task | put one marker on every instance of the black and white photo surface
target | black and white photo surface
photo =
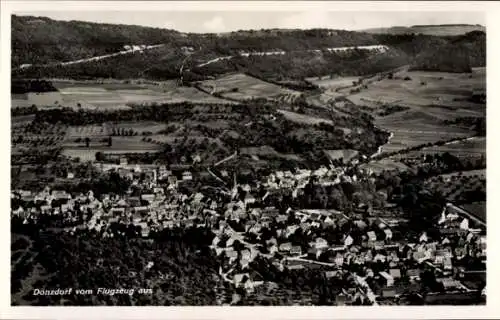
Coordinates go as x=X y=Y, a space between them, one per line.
x=247 y=158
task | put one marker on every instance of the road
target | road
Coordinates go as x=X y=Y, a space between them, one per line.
x=275 y=52
x=467 y=214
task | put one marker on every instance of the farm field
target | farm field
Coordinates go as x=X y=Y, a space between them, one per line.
x=120 y=98
x=112 y=96
x=472 y=147
x=332 y=84
x=303 y=118
x=267 y=151
x=240 y=86
x=415 y=127
x=423 y=89
x=344 y=155
x=40 y=99
x=132 y=144
x=384 y=165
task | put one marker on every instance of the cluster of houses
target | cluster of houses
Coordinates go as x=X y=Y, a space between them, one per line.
x=382 y=260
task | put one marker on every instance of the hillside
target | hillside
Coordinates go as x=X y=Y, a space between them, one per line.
x=274 y=55
x=434 y=30
x=38 y=40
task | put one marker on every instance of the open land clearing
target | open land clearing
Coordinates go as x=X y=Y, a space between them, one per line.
x=239 y=86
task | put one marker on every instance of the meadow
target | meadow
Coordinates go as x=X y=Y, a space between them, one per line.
x=239 y=86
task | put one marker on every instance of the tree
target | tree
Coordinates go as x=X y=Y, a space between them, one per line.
x=99 y=156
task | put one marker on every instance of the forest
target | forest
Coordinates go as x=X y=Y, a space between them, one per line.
x=75 y=40
x=184 y=270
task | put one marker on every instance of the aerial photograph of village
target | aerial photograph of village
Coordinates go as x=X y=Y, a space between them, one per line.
x=246 y=159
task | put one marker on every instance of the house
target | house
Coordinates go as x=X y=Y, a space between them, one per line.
x=242 y=280
x=245 y=254
x=372 y=237
x=285 y=247
x=148 y=197
x=339 y=259
x=281 y=218
x=187 y=175
x=447 y=264
x=348 y=241
x=123 y=161
x=449 y=283
x=320 y=243
x=464 y=225
x=395 y=273
x=389 y=280
x=340 y=300
x=413 y=274
x=117 y=211
x=231 y=254
x=249 y=198
x=145 y=231
x=291 y=230
x=314 y=253
x=388 y=292
x=423 y=237
x=388 y=234
x=296 y=250
x=380 y=257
